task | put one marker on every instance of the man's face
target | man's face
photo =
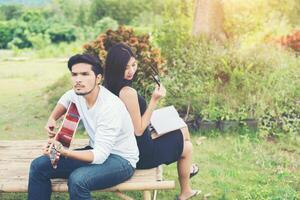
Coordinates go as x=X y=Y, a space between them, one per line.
x=83 y=78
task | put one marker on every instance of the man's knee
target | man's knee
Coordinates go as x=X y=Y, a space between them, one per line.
x=40 y=164
x=76 y=182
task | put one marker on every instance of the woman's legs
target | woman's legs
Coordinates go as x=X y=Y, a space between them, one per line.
x=185 y=133
x=184 y=165
x=186 y=137
x=183 y=168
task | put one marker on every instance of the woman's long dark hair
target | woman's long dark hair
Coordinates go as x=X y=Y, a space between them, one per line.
x=116 y=61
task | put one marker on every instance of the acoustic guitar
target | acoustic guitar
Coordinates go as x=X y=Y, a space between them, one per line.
x=65 y=133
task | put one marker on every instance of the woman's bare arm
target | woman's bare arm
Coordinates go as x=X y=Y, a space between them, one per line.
x=130 y=98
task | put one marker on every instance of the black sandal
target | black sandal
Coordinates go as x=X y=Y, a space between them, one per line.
x=195 y=170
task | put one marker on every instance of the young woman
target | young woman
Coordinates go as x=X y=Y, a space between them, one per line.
x=120 y=67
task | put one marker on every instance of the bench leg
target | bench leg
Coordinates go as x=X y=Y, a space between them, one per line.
x=154 y=195
x=147 y=195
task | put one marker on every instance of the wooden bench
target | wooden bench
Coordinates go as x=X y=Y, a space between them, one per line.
x=16 y=156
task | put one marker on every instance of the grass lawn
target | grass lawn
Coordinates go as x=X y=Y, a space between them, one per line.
x=23 y=103
x=232 y=165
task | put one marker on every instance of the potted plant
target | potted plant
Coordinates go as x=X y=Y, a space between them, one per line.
x=228 y=120
x=208 y=122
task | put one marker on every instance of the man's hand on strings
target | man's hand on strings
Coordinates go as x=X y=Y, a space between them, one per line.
x=46 y=148
x=56 y=144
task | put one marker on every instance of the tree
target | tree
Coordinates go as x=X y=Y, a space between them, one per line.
x=209 y=19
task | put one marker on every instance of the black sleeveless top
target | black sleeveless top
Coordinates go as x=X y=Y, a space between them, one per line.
x=163 y=150
x=144 y=142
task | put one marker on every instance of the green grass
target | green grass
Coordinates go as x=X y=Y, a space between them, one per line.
x=232 y=165
x=23 y=103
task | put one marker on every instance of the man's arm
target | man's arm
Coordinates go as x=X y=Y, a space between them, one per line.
x=108 y=127
x=85 y=156
x=57 y=112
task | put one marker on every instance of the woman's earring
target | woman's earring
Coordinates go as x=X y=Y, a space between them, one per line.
x=99 y=77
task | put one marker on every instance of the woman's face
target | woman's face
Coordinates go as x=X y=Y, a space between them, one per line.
x=130 y=69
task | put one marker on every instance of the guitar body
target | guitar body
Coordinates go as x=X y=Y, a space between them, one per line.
x=66 y=132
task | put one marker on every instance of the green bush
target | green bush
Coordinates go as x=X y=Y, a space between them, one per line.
x=62 y=33
x=259 y=21
x=17 y=33
x=104 y=24
x=8 y=12
x=129 y=11
x=245 y=78
x=35 y=22
x=122 y=11
x=39 y=41
x=33 y=27
x=20 y=35
x=176 y=26
x=6 y=34
x=218 y=82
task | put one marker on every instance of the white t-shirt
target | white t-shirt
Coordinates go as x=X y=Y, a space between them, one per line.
x=108 y=125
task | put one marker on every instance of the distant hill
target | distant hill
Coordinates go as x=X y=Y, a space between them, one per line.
x=25 y=2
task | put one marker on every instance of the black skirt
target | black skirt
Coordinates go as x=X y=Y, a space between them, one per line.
x=165 y=149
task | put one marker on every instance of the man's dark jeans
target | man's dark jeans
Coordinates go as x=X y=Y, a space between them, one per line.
x=82 y=177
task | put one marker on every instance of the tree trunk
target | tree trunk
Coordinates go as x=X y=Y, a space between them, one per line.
x=209 y=19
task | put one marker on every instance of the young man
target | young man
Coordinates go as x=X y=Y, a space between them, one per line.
x=112 y=153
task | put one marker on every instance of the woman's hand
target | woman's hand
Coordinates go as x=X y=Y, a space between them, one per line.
x=159 y=92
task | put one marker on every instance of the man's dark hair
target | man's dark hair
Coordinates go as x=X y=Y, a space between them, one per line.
x=88 y=59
